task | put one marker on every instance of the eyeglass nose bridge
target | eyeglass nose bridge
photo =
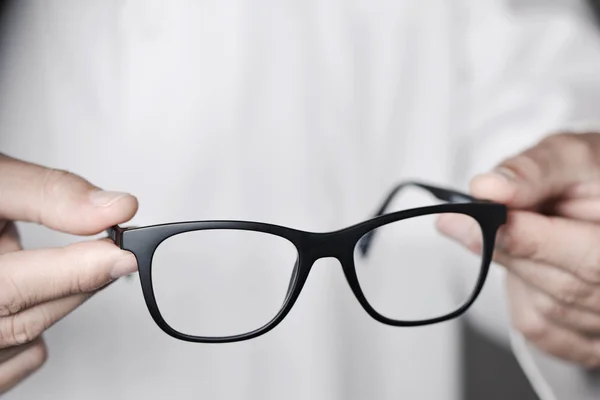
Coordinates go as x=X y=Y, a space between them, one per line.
x=326 y=245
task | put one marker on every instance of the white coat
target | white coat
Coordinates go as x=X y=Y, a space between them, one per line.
x=301 y=113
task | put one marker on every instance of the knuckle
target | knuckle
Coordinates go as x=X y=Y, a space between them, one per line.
x=571 y=291
x=11 y=299
x=53 y=179
x=19 y=329
x=52 y=182
x=533 y=327
x=8 y=305
x=77 y=280
x=551 y=308
x=31 y=329
x=10 y=334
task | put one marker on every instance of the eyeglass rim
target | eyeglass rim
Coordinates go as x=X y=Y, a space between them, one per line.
x=143 y=242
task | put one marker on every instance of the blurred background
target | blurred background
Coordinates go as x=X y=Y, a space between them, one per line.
x=489 y=371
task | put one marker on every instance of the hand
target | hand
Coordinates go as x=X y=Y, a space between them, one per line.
x=550 y=245
x=39 y=287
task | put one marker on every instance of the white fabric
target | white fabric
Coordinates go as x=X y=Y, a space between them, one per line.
x=301 y=113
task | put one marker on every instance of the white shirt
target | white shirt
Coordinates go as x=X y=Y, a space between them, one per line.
x=297 y=113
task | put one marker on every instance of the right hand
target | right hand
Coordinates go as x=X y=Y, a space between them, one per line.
x=39 y=287
x=549 y=245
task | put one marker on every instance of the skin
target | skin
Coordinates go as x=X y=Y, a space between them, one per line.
x=39 y=287
x=550 y=246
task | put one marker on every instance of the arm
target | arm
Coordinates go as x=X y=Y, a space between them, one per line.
x=39 y=287
x=534 y=69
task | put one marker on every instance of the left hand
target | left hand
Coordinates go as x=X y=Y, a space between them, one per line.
x=550 y=245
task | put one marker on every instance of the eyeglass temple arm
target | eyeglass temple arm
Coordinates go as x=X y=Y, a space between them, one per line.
x=443 y=194
x=292 y=280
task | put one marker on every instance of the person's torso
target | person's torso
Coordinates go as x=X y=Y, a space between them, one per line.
x=296 y=113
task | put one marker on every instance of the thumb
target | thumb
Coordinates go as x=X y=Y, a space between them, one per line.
x=58 y=199
x=543 y=172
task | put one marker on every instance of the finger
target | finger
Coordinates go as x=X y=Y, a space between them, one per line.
x=31 y=277
x=10 y=352
x=563 y=287
x=589 y=189
x=571 y=318
x=560 y=242
x=461 y=228
x=580 y=209
x=552 y=338
x=542 y=172
x=22 y=365
x=9 y=238
x=59 y=199
x=29 y=324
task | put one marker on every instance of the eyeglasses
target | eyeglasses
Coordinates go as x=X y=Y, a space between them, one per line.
x=227 y=281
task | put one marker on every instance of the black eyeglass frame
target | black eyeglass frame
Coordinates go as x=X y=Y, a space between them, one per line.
x=312 y=246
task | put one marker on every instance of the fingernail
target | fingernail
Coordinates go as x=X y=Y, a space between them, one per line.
x=505 y=173
x=124 y=266
x=104 y=198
